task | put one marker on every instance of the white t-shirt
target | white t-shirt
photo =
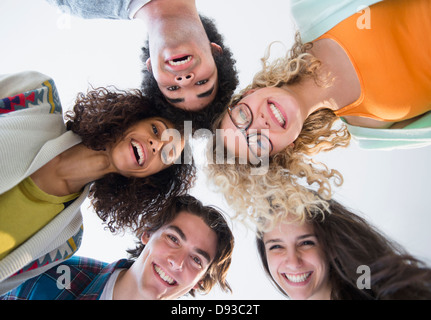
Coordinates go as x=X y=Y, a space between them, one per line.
x=108 y=291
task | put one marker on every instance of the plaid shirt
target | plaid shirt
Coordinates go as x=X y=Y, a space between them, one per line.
x=78 y=278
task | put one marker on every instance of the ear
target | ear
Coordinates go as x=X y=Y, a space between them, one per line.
x=216 y=49
x=145 y=237
x=148 y=64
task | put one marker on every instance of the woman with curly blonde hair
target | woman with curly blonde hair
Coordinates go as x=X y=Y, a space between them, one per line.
x=339 y=67
x=285 y=169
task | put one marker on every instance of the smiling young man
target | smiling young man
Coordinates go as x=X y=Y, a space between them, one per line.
x=174 y=260
x=181 y=55
x=188 y=247
x=187 y=65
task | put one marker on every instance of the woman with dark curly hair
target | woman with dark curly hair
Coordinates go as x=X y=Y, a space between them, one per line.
x=337 y=255
x=113 y=148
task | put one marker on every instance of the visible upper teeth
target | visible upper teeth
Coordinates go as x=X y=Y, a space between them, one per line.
x=297 y=277
x=140 y=152
x=178 y=63
x=278 y=115
x=163 y=275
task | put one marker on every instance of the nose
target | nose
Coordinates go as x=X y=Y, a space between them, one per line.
x=261 y=121
x=184 y=79
x=155 y=145
x=293 y=260
x=176 y=262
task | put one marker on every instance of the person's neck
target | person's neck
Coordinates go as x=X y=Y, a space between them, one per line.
x=156 y=13
x=323 y=294
x=342 y=85
x=312 y=96
x=172 y=19
x=125 y=287
x=70 y=171
x=81 y=165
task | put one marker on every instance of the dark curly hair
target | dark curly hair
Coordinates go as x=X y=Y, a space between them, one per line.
x=100 y=117
x=215 y=220
x=227 y=83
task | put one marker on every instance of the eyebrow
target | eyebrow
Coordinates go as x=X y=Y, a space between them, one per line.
x=184 y=238
x=174 y=101
x=206 y=93
x=201 y=95
x=164 y=123
x=299 y=238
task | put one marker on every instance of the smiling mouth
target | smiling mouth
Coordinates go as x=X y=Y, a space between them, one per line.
x=278 y=115
x=298 y=278
x=139 y=152
x=164 y=276
x=180 y=61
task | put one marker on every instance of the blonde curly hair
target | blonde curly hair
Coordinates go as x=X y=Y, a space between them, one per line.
x=266 y=199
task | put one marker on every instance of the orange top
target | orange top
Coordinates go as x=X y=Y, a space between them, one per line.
x=389 y=45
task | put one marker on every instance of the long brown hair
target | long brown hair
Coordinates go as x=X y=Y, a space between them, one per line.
x=349 y=241
x=100 y=117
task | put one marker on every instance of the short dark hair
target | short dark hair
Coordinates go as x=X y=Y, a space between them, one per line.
x=214 y=219
x=227 y=83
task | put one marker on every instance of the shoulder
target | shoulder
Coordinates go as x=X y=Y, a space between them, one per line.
x=28 y=90
x=313 y=17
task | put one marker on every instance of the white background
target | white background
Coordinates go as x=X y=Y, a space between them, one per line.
x=392 y=189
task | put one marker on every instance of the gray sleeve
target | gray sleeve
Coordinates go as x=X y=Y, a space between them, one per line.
x=94 y=9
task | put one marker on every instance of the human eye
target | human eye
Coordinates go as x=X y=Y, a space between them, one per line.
x=307 y=243
x=173 y=88
x=197 y=261
x=173 y=238
x=201 y=82
x=242 y=115
x=155 y=129
x=274 y=247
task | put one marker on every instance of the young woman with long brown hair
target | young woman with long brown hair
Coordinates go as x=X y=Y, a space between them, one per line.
x=335 y=254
